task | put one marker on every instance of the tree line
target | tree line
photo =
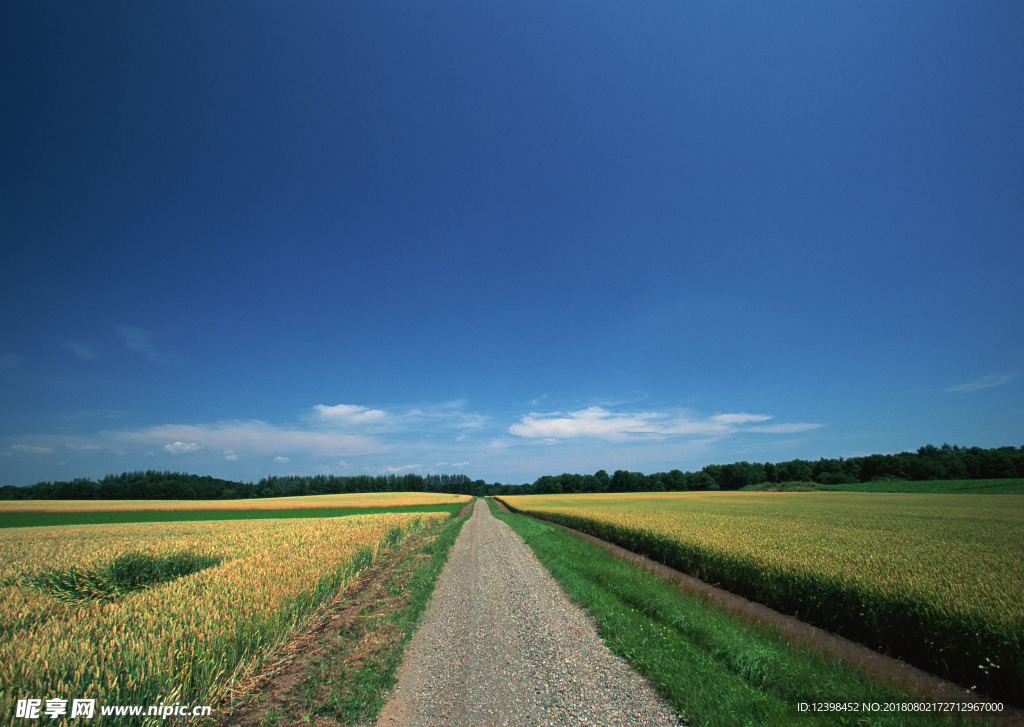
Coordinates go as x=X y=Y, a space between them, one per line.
x=153 y=485
x=949 y=462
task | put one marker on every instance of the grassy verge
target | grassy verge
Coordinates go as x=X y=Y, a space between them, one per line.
x=359 y=691
x=345 y=678
x=712 y=666
x=36 y=519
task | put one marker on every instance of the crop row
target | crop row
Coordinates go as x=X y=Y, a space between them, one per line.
x=179 y=640
x=933 y=579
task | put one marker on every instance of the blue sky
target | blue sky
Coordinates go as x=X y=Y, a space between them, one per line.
x=506 y=239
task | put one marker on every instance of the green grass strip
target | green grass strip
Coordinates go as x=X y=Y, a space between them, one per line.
x=103 y=517
x=358 y=697
x=715 y=668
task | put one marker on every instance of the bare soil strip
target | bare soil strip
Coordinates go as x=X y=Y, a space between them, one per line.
x=928 y=686
x=337 y=642
x=501 y=644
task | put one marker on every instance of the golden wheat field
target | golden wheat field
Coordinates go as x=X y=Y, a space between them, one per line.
x=964 y=553
x=357 y=499
x=184 y=640
x=935 y=578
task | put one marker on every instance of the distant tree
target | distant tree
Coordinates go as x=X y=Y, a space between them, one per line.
x=928 y=462
x=831 y=472
x=851 y=468
x=623 y=481
x=547 y=485
x=740 y=474
x=926 y=468
x=701 y=481
x=796 y=470
x=676 y=480
x=716 y=473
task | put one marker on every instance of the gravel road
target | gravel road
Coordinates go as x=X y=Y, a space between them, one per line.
x=501 y=644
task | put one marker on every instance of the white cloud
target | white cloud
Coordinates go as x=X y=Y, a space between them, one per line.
x=593 y=421
x=364 y=438
x=449 y=415
x=182 y=447
x=697 y=427
x=600 y=423
x=81 y=350
x=792 y=428
x=350 y=414
x=739 y=418
x=143 y=343
x=338 y=432
x=29 y=449
x=136 y=339
x=253 y=438
x=985 y=382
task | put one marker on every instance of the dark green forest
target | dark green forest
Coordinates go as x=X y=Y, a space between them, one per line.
x=948 y=462
x=153 y=485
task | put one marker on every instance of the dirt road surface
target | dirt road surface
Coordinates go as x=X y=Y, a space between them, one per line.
x=501 y=644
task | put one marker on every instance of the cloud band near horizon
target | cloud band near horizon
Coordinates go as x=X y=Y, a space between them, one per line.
x=426 y=433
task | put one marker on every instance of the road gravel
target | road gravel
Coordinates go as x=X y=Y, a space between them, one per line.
x=501 y=644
